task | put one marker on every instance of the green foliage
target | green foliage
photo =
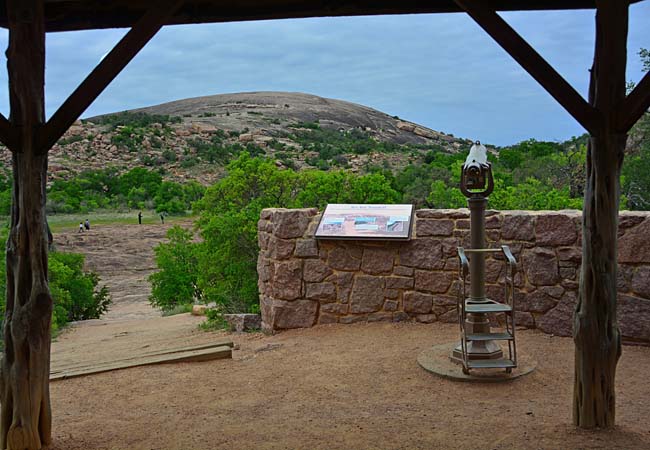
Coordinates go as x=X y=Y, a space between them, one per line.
x=183 y=308
x=214 y=321
x=644 y=54
x=6 y=184
x=307 y=125
x=170 y=198
x=175 y=283
x=138 y=188
x=75 y=293
x=330 y=143
x=635 y=176
x=135 y=120
x=70 y=140
x=227 y=256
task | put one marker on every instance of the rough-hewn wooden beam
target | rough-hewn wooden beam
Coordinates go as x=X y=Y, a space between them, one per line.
x=106 y=71
x=25 y=414
x=68 y=15
x=595 y=330
x=533 y=63
x=8 y=134
x=635 y=105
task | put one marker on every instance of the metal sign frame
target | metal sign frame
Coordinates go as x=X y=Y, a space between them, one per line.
x=366 y=222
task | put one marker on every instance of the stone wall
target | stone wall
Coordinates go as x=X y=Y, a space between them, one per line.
x=304 y=282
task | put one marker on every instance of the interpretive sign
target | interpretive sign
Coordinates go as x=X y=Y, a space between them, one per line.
x=341 y=221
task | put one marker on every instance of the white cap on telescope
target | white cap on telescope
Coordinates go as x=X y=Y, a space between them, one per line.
x=477 y=156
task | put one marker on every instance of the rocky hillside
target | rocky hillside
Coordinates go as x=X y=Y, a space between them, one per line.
x=194 y=138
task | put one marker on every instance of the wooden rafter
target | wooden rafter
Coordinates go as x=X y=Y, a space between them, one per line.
x=533 y=63
x=69 y=15
x=106 y=71
x=9 y=136
x=635 y=105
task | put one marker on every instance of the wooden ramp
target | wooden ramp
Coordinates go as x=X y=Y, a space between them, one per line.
x=204 y=352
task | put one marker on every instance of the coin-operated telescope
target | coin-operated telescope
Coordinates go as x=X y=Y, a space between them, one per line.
x=476 y=183
x=476 y=177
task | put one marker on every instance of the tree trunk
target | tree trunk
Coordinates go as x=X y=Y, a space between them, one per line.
x=596 y=334
x=25 y=416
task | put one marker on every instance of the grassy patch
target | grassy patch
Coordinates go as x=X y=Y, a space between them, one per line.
x=62 y=222
x=178 y=309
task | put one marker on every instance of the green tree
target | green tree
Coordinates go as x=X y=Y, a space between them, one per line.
x=175 y=283
x=227 y=256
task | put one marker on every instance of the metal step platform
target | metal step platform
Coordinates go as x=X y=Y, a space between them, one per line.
x=505 y=309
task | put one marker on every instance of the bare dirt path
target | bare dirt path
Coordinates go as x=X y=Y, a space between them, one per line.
x=123 y=257
x=343 y=387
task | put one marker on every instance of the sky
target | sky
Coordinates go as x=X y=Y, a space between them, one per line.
x=441 y=71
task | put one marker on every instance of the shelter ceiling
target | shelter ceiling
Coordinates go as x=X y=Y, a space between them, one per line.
x=68 y=15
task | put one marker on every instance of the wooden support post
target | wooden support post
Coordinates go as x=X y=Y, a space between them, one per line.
x=533 y=63
x=25 y=416
x=107 y=70
x=25 y=413
x=595 y=331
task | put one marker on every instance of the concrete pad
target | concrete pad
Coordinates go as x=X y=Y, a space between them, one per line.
x=437 y=361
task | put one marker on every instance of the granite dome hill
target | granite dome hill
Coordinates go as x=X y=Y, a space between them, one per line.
x=195 y=138
x=269 y=112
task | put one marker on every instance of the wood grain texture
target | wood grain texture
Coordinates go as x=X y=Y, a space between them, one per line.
x=188 y=355
x=596 y=333
x=25 y=416
x=65 y=15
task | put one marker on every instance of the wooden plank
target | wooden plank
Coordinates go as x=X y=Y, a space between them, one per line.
x=63 y=368
x=9 y=136
x=207 y=354
x=106 y=71
x=533 y=63
x=635 y=105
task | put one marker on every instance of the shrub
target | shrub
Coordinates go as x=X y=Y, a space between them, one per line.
x=75 y=293
x=175 y=282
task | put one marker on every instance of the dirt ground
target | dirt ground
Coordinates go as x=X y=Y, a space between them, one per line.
x=329 y=387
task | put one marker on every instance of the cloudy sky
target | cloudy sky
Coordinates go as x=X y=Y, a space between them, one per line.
x=441 y=71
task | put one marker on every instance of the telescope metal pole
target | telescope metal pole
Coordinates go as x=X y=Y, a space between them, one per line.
x=477 y=207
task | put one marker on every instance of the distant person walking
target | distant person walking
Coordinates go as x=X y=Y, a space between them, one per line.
x=81 y=227
x=140 y=218
x=162 y=218
x=87 y=224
